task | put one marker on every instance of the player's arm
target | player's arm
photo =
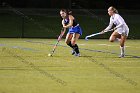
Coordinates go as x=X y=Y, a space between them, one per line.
x=63 y=24
x=70 y=22
x=63 y=30
x=120 y=21
x=109 y=26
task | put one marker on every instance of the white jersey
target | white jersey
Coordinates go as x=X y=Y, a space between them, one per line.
x=121 y=26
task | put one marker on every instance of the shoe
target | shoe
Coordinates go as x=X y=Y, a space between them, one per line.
x=73 y=52
x=121 y=56
x=77 y=54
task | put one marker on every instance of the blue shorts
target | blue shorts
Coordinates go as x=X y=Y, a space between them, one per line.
x=76 y=29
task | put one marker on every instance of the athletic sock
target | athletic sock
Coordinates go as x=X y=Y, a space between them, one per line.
x=122 y=50
x=117 y=39
x=69 y=44
x=76 y=48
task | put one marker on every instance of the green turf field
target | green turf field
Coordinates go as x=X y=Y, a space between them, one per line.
x=26 y=68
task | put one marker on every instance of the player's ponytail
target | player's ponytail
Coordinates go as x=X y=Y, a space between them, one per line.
x=68 y=12
x=114 y=10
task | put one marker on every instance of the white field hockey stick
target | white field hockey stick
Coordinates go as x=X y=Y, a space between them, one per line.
x=58 y=40
x=99 y=33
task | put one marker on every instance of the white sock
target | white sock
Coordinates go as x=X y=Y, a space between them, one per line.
x=117 y=39
x=122 y=50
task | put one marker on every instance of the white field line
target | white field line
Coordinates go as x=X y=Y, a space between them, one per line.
x=110 y=45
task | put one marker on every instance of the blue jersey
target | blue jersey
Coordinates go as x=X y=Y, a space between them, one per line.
x=66 y=22
x=75 y=27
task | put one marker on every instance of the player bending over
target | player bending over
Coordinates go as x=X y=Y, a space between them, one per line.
x=74 y=30
x=121 y=29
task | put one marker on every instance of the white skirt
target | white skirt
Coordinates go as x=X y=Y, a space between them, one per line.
x=123 y=30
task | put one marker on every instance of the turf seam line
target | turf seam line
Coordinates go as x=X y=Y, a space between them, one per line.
x=113 y=72
x=45 y=73
x=91 y=50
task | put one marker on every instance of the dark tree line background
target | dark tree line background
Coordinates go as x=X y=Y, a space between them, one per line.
x=96 y=4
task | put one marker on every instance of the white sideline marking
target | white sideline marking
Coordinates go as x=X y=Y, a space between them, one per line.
x=110 y=45
x=82 y=44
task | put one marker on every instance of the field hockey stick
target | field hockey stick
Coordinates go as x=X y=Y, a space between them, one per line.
x=58 y=40
x=99 y=33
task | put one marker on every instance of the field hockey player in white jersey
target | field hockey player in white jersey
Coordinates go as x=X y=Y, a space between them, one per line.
x=121 y=29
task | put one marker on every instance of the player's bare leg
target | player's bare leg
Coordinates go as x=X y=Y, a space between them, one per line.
x=114 y=36
x=122 y=47
x=69 y=43
x=73 y=41
x=68 y=39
